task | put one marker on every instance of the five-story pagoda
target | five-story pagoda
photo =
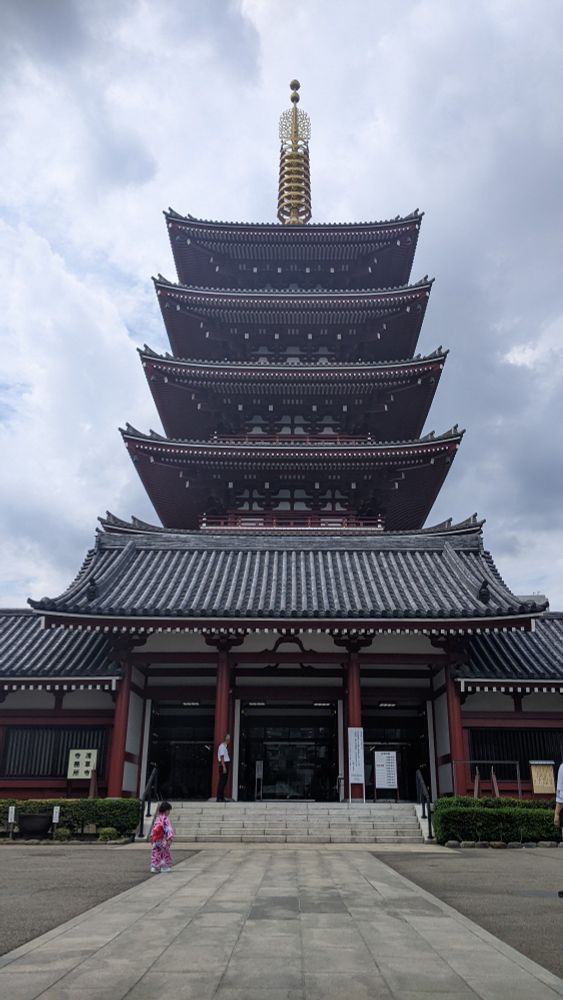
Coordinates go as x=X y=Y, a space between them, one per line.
x=292 y=397
x=292 y=591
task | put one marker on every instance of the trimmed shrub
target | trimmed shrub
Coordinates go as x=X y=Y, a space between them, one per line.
x=123 y=814
x=503 y=823
x=62 y=833
x=468 y=802
x=107 y=833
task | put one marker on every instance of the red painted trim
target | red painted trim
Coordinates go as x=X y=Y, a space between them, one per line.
x=117 y=757
x=457 y=750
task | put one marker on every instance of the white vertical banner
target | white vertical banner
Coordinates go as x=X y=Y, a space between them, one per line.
x=356 y=775
x=386 y=769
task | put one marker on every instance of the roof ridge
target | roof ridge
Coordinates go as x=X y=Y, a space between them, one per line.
x=279 y=227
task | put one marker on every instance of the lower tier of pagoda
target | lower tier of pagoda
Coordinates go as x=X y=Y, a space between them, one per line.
x=394 y=485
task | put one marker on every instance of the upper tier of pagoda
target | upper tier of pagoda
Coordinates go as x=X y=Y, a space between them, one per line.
x=202 y=399
x=339 y=256
x=213 y=325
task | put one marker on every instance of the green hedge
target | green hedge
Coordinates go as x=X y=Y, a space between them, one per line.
x=468 y=802
x=123 y=814
x=504 y=823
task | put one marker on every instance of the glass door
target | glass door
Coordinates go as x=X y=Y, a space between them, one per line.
x=295 y=747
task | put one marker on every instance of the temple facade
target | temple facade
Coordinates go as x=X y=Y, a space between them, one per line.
x=292 y=590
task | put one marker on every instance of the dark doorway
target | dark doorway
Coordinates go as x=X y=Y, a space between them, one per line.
x=181 y=746
x=406 y=735
x=297 y=747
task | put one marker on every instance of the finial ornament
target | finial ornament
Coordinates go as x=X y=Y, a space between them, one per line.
x=294 y=195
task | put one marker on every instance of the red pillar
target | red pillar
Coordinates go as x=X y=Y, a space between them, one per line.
x=222 y=715
x=119 y=735
x=354 y=703
x=457 y=749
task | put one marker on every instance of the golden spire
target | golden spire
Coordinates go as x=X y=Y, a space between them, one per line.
x=294 y=196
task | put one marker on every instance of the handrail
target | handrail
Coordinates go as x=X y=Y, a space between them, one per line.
x=147 y=797
x=423 y=796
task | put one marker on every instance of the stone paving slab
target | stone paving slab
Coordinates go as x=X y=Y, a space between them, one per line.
x=278 y=924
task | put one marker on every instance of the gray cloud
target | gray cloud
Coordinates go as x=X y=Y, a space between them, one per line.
x=112 y=114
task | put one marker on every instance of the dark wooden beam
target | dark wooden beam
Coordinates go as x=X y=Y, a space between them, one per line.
x=240 y=658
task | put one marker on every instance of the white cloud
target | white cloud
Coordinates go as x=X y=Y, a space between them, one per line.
x=110 y=114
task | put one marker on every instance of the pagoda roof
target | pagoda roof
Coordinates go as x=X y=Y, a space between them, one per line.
x=204 y=322
x=221 y=301
x=197 y=397
x=186 y=479
x=416 y=581
x=294 y=233
x=200 y=246
x=29 y=651
x=247 y=451
x=312 y=375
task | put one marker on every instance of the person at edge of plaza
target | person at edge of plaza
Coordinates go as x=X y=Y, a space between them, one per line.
x=559 y=797
x=223 y=761
x=162 y=835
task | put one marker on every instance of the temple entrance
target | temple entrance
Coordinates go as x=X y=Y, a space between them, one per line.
x=292 y=749
x=406 y=735
x=181 y=746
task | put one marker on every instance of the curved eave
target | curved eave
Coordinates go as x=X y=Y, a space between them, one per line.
x=389 y=372
x=289 y=233
x=287 y=300
x=147 y=624
x=387 y=452
x=471 y=527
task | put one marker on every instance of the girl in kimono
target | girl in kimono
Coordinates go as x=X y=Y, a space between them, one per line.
x=161 y=837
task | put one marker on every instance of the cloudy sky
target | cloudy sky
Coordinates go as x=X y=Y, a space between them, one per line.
x=111 y=111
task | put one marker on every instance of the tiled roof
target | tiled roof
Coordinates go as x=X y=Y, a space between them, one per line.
x=28 y=650
x=529 y=656
x=376 y=577
x=310 y=231
x=215 y=373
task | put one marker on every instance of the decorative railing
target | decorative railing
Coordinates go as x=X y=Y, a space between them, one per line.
x=289 y=519
x=293 y=439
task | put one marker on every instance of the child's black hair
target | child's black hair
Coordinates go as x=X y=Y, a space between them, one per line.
x=164 y=807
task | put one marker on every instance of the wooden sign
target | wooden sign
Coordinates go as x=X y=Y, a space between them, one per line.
x=543 y=779
x=81 y=763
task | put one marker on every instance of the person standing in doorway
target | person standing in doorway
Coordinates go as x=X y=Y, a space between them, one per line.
x=223 y=760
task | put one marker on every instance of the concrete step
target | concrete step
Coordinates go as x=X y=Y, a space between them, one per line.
x=280 y=822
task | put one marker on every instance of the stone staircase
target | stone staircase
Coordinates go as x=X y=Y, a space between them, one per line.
x=296 y=822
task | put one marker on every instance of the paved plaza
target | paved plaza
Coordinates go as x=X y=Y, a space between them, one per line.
x=250 y=923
